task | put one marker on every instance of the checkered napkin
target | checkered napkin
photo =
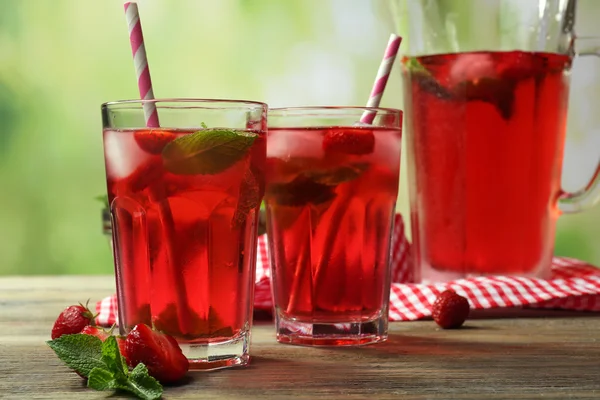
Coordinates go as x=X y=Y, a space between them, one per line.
x=574 y=285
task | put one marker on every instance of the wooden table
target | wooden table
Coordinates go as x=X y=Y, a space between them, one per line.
x=556 y=356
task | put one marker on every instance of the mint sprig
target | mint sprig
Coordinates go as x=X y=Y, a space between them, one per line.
x=104 y=366
x=208 y=151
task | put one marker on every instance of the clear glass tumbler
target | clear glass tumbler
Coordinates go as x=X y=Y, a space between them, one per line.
x=184 y=201
x=331 y=191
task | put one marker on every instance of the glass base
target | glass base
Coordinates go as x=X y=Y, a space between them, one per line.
x=217 y=355
x=302 y=333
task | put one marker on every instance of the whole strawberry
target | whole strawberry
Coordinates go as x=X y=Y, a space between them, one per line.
x=450 y=310
x=158 y=351
x=72 y=320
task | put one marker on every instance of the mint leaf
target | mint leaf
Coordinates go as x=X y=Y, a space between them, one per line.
x=80 y=352
x=104 y=366
x=413 y=65
x=113 y=359
x=101 y=379
x=139 y=383
x=299 y=192
x=208 y=151
x=143 y=385
x=336 y=175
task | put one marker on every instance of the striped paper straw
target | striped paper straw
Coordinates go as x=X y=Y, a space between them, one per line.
x=382 y=77
x=140 y=61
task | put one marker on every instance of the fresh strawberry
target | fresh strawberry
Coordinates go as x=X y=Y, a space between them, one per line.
x=355 y=141
x=72 y=320
x=450 y=310
x=153 y=141
x=95 y=331
x=158 y=351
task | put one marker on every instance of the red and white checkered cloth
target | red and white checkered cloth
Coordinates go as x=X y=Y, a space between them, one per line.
x=574 y=285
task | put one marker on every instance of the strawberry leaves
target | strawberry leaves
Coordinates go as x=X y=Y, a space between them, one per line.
x=104 y=366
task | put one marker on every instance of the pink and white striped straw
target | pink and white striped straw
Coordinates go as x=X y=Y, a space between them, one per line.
x=140 y=61
x=382 y=77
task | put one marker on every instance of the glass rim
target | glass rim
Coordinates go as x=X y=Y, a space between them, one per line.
x=195 y=103
x=304 y=110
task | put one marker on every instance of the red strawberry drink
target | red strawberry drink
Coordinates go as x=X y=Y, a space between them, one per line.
x=184 y=203
x=331 y=192
x=486 y=137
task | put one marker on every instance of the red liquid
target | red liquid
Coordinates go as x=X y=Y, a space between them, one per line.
x=329 y=221
x=184 y=243
x=486 y=136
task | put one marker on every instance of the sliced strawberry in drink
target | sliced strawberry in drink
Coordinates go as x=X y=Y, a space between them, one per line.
x=354 y=141
x=153 y=141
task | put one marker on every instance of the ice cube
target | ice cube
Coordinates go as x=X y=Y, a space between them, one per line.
x=472 y=67
x=286 y=144
x=123 y=155
x=387 y=148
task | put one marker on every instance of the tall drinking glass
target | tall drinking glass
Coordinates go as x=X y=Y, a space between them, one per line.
x=331 y=193
x=184 y=201
x=486 y=87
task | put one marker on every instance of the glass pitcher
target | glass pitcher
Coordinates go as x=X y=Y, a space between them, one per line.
x=486 y=88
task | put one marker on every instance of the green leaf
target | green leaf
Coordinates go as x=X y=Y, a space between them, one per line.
x=143 y=385
x=80 y=352
x=208 y=151
x=300 y=192
x=139 y=382
x=104 y=366
x=103 y=198
x=113 y=359
x=101 y=379
x=340 y=174
x=413 y=65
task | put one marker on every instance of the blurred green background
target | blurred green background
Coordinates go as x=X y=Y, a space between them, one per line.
x=60 y=59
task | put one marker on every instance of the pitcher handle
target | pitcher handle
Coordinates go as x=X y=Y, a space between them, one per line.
x=590 y=194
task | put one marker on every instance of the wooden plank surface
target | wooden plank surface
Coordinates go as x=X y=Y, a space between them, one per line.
x=556 y=356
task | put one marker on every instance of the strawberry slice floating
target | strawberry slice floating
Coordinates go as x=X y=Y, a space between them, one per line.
x=158 y=351
x=354 y=141
x=153 y=141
